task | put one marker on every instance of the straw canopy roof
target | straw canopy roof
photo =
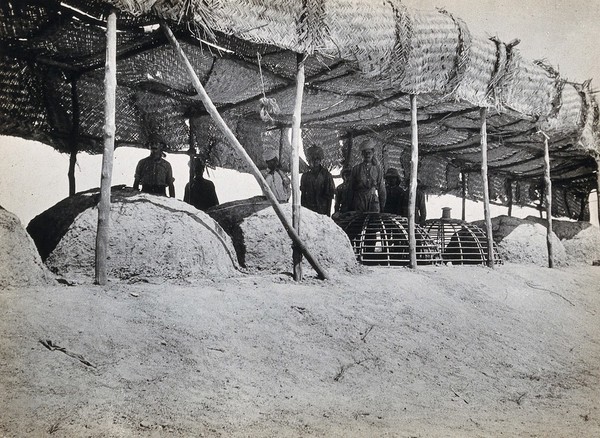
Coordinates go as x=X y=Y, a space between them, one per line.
x=364 y=60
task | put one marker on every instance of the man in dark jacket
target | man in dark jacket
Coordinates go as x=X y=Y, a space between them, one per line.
x=396 y=201
x=316 y=185
x=342 y=197
x=201 y=192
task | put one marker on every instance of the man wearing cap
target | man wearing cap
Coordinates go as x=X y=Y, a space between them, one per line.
x=395 y=194
x=367 y=187
x=201 y=192
x=277 y=180
x=316 y=185
x=154 y=173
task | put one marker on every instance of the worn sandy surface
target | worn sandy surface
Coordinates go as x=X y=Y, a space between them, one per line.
x=436 y=352
x=20 y=263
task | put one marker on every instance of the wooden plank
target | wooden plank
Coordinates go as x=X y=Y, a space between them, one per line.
x=486 y=189
x=110 y=87
x=214 y=113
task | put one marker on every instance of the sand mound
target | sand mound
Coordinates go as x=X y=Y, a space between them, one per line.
x=524 y=241
x=581 y=240
x=20 y=263
x=262 y=244
x=150 y=237
x=584 y=247
x=562 y=229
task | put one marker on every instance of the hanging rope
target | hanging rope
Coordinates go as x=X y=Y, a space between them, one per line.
x=268 y=106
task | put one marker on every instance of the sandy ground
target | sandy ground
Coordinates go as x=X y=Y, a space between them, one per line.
x=435 y=352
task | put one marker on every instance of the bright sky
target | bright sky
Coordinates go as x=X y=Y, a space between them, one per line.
x=33 y=177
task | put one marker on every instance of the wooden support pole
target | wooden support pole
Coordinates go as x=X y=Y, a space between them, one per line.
x=71 y=173
x=110 y=87
x=509 y=195
x=74 y=135
x=214 y=113
x=296 y=140
x=548 y=193
x=412 y=197
x=192 y=155
x=582 y=204
x=486 y=190
x=463 y=182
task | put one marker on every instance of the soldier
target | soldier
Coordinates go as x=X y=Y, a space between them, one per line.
x=342 y=198
x=154 y=173
x=316 y=185
x=367 y=187
x=396 y=196
x=201 y=192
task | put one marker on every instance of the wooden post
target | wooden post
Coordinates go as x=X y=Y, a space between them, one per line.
x=412 y=197
x=463 y=179
x=71 y=173
x=509 y=195
x=583 y=201
x=192 y=155
x=110 y=87
x=486 y=190
x=74 y=135
x=212 y=110
x=295 y=164
x=548 y=193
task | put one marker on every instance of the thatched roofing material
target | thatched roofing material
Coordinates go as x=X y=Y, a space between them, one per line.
x=366 y=57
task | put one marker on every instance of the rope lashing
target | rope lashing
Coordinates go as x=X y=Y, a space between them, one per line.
x=268 y=105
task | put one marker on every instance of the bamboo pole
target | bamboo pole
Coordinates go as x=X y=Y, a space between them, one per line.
x=214 y=113
x=486 y=190
x=412 y=197
x=110 y=86
x=296 y=140
x=74 y=136
x=548 y=193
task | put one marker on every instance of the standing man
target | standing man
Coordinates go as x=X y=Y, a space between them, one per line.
x=154 y=173
x=367 y=188
x=277 y=180
x=201 y=192
x=316 y=185
x=395 y=201
x=342 y=198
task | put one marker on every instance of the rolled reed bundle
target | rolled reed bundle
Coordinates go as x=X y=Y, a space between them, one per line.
x=527 y=87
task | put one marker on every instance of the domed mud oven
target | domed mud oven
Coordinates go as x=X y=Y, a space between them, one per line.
x=460 y=242
x=382 y=239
